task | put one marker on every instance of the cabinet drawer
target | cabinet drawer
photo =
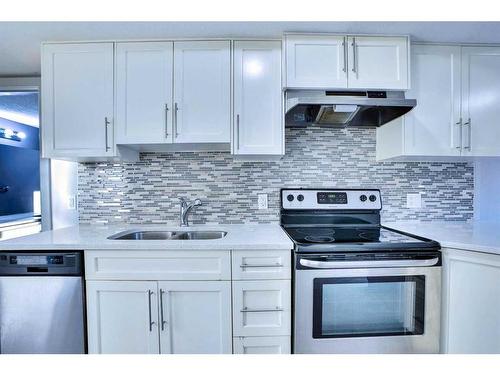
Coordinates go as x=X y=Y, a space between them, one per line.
x=262 y=345
x=261 y=308
x=257 y=264
x=157 y=265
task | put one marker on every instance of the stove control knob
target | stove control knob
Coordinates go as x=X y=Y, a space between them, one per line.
x=300 y=197
x=289 y=197
x=363 y=198
x=373 y=198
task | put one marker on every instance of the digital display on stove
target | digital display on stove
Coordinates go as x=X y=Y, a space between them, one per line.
x=331 y=197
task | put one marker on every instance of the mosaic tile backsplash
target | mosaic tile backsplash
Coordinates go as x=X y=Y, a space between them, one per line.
x=147 y=191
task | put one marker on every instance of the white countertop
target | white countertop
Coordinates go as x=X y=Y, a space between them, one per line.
x=94 y=237
x=471 y=235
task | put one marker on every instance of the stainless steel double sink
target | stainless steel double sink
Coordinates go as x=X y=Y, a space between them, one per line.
x=167 y=235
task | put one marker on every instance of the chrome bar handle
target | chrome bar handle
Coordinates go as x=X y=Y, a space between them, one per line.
x=166 y=120
x=247 y=310
x=469 y=140
x=459 y=123
x=261 y=265
x=344 y=46
x=369 y=264
x=162 y=319
x=237 y=132
x=354 y=57
x=151 y=322
x=106 y=124
x=176 y=109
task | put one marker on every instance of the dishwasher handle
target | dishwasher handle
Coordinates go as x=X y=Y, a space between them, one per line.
x=317 y=264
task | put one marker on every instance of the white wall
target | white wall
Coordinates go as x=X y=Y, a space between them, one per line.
x=487 y=189
x=64 y=184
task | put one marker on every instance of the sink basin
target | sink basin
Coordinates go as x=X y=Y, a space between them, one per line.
x=167 y=235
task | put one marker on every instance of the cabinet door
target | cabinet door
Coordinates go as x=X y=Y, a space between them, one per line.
x=259 y=128
x=202 y=92
x=195 y=317
x=316 y=61
x=378 y=62
x=433 y=127
x=481 y=100
x=122 y=317
x=261 y=308
x=144 y=74
x=262 y=345
x=471 y=295
x=77 y=100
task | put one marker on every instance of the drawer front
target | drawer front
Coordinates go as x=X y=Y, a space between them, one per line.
x=261 y=308
x=262 y=345
x=259 y=264
x=157 y=265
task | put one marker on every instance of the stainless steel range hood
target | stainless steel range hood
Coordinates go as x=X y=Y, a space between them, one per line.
x=344 y=108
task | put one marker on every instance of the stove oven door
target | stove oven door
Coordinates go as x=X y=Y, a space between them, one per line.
x=383 y=307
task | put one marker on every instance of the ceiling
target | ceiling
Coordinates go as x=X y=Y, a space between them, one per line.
x=20 y=41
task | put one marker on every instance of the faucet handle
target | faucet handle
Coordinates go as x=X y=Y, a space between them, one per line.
x=197 y=202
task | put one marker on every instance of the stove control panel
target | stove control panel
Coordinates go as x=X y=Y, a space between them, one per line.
x=328 y=199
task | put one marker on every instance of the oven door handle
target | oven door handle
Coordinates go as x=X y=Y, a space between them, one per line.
x=370 y=264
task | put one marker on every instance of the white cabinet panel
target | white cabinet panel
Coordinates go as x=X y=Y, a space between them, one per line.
x=259 y=129
x=144 y=92
x=262 y=345
x=471 y=294
x=261 y=308
x=433 y=127
x=157 y=265
x=259 y=264
x=195 y=317
x=316 y=61
x=202 y=92
x=481 y=100
x=378 y=62
x=77 y=100
x=122 y=317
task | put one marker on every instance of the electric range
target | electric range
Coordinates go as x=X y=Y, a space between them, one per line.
x=359 y=287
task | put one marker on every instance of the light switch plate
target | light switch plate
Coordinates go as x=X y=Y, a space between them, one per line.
x=413 y=200
x=71 y=202
x=262 y=201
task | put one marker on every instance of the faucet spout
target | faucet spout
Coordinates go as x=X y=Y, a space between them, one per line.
x=186 y=207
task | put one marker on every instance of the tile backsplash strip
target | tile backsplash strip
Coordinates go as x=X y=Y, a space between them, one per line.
x=147 y=191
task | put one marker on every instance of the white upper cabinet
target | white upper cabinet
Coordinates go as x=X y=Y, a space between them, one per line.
x=144 y=92
x=378 y=62
x=433 y=127
x=202 y=92
x=258 y=124
x=77 y=100
x=316 y=61
x=352 y=62
x=481 y=101
x=458 y=106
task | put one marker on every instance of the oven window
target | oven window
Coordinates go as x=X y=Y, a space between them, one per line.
x=368 y=306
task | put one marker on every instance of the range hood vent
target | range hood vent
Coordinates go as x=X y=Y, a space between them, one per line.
x=345 y=108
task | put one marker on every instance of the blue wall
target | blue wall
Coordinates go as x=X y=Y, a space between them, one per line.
x=19 y=169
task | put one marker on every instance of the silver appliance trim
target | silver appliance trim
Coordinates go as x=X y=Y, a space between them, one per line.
x=316 y=264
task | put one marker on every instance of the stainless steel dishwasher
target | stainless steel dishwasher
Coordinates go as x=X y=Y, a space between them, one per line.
x=41 y=303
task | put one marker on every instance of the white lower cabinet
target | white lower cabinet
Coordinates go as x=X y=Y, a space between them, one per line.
x=262 y=345
x=122 y=317
x=261 y=308
x=471 y=302
x=195 y=317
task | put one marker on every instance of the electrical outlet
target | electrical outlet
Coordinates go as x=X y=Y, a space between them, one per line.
x=71 y=202
x=262 y=201
x=414 y=200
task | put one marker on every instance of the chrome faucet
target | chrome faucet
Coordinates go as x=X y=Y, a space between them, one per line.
x=186 y=208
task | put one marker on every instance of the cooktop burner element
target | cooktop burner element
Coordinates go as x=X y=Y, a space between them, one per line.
x=331 y=220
